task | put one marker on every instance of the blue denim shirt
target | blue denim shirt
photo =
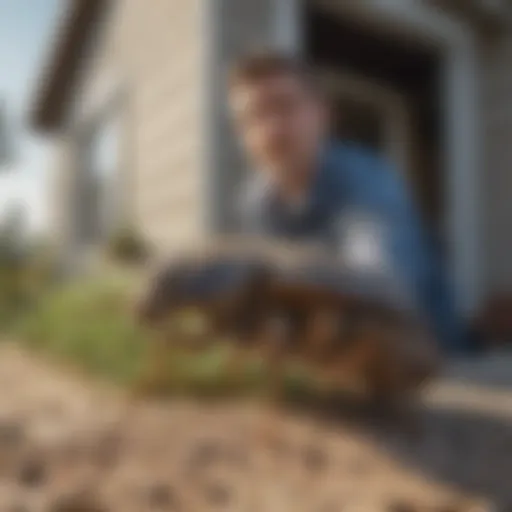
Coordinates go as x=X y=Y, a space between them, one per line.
x=352 y=179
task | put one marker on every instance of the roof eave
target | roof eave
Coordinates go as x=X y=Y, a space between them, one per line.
x=59 y=75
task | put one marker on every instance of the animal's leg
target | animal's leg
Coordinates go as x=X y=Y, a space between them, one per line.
x=155 y=372
x=196 y=329
x=406 y=361
x=321 y=332
x=275 y=344
x=359 y=349
x=276 y=336
x=234 y=366
x=243 y=325
x=390 y=397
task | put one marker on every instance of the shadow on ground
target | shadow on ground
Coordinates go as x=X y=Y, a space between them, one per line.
x=463 y=447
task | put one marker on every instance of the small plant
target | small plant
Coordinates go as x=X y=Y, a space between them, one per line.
x=26 y=270
x=88 y=323
x=126 y=246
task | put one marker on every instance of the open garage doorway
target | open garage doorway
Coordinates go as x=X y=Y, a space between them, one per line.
x=385 y=92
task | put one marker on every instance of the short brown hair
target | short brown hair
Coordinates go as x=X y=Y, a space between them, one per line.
x=258 y=65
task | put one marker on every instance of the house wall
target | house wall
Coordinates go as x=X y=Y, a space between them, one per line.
x=149 y=61
x=166 y=66
x=62 y=194
x=497 y=162
x=169 y=64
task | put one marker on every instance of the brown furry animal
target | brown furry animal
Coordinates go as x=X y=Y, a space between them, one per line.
x=291 y=303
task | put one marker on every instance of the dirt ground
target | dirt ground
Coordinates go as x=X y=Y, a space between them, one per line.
x=67 y=445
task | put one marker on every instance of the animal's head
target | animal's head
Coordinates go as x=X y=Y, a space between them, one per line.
x=202 y=283
x=160 y=296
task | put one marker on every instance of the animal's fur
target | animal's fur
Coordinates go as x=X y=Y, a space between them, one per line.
x=300 y=304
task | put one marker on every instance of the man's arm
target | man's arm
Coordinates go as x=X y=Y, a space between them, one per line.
x=418 y=259
x=404 y=245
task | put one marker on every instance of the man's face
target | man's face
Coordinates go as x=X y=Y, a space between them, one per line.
x=280 y=121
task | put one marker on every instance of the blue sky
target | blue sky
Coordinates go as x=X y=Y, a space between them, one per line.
x=26 y=31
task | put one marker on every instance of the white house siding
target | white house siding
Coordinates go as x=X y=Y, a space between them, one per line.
x=149 y=59
x=162 y=53
x=62 y=215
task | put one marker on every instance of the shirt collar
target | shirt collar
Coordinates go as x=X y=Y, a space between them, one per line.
x=315 y=192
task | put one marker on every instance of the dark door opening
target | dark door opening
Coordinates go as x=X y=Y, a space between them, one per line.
x=359 y=121
x=390 y=61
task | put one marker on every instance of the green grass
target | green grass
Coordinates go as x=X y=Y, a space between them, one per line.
x=89 y=324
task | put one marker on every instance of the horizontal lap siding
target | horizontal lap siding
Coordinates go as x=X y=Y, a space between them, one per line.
x=162 y=55
x=151 y=50
x=155 y=49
